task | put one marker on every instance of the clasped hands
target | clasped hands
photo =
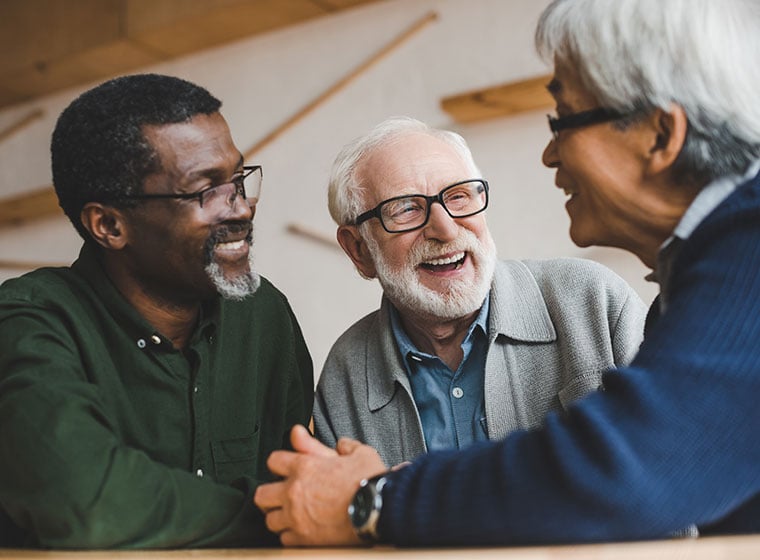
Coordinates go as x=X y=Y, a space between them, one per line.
x=309 y=506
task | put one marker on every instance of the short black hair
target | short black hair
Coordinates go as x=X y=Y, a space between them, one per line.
x=98 y=150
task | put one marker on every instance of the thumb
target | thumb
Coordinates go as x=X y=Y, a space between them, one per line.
x=303 y=442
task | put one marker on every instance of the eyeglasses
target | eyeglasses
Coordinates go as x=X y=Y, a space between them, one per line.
x=410 y=212
x=219 y=199
x=583 y=118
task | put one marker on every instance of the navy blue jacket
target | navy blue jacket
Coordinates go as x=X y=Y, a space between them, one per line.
x=671 y=441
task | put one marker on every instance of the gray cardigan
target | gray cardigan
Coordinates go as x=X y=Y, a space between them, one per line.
x=554 y=326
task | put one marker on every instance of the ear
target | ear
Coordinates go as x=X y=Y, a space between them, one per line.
x=356 y=249
x=105 y=224
x=669 y=136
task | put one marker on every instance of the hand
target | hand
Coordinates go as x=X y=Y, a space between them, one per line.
x=310 y=505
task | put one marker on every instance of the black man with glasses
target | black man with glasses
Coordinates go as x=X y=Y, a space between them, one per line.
x=142 y=388
x=464 y=347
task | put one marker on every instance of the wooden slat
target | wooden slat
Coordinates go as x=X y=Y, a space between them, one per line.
x=339 y=85
x=41 y=203
x=312 y=234
x=499 y=101
x=20 y=124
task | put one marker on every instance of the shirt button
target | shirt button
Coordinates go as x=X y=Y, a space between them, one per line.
x=195 y=389
x=155 y=339
x=199 y=473
x=141 y=343
x=457 y=392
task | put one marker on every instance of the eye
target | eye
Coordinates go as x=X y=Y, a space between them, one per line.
x=459 y=197
x=404 y=209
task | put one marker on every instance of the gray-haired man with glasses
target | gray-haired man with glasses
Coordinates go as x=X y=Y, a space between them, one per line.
x=142 y=388
x=464 y=347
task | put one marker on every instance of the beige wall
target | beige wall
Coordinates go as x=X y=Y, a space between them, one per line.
x=263 y=80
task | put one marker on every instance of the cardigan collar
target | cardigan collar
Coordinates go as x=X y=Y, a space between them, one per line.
x=517 y=311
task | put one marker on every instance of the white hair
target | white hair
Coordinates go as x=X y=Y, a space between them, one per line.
x=637 y=55
x=346 y=193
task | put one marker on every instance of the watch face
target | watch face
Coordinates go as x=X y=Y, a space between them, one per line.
x=361 y=507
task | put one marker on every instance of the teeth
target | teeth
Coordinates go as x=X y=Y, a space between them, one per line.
x=568 y=192
x=440 y=262
x=231 y=245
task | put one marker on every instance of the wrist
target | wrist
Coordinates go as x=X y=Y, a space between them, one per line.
x=366 y=507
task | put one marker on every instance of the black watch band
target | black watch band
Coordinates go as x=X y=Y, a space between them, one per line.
x=364 y=510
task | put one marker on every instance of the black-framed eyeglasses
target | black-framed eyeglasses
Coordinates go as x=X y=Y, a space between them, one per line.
x=583 y=118
x=410 y=212
x=220 y=198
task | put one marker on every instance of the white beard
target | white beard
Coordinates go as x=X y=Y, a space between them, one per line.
x=236 y=288
x=406 y=292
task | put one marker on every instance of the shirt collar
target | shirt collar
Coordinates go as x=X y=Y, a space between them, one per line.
x=407 y=347
x=708 y=199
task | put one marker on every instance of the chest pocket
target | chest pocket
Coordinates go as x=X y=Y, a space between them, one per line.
x=236 y=457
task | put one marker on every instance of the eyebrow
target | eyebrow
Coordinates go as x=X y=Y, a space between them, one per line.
x=212 y=173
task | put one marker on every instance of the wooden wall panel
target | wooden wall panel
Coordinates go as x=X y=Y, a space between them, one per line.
x=499 y=101
x=40 y=203
x=194 y=28
x=48 y=45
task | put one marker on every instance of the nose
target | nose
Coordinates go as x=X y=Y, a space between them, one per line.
x=241 y=208
x=550 y=158
x=440 y=226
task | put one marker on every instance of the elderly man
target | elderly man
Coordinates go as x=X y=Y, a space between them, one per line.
x=657 y=143
x=463 y=348
x=142 y=389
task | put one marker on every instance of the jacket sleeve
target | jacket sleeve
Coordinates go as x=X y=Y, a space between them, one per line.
x=670 y=442
x=69 y=479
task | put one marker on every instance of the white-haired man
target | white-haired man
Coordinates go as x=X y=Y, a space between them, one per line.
x=464 y=348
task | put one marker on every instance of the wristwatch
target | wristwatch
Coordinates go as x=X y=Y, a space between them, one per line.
x=365 y=507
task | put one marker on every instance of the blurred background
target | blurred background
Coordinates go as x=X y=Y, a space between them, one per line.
x=298 y=79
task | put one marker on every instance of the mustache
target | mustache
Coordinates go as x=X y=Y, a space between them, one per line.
x=430 y=249
x=223 y=232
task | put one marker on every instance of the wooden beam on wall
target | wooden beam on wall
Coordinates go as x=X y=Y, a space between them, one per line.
x=20 y=124
x=41 y=203
x=499 y=101
x=339 y=85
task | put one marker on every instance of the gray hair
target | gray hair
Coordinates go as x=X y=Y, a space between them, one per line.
x=638 y=55
x=346 y=193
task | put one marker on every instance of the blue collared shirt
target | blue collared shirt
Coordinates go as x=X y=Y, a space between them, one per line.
x=450 y=404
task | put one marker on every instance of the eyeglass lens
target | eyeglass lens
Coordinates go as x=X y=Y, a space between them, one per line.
x=412 y=211
x=221 y=198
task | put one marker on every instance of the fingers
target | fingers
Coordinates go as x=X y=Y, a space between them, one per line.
x=276 y=521
x=303 y=442
x=269 y=496
x=282 y=463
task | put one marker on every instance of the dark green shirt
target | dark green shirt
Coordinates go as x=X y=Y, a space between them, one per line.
x=109 y=437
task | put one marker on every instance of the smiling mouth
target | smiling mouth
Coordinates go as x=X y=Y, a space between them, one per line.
x=454 y=262
x=231 y=245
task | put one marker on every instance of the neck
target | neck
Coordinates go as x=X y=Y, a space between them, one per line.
x=174 y=319
x=438 y=337
x=658 y=221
